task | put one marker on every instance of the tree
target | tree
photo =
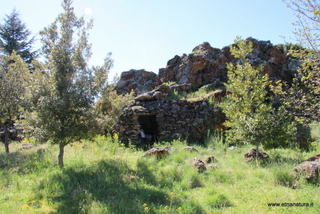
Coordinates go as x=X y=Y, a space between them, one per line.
x=252 y=118
x=109 y=108
x=308 y=22
x=15 y=79
x=65 y=109
x=302 y=97
x=14 y=37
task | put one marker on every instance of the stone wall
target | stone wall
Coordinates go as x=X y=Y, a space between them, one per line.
x=165 y=118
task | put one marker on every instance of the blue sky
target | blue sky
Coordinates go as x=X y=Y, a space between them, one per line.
x=145 y=34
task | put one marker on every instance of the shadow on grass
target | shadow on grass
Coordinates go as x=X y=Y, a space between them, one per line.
x=280 y=160
x=21 y=162
x=101 y=188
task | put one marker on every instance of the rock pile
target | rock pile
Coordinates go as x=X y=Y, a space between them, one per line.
x=252 y=153
x=206 y=64
x=163 y=91
x=199 y=165
x=139 y=81
x=210 y=159
x=158 y=152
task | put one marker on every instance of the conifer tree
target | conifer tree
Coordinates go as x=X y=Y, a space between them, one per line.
x=14 y=36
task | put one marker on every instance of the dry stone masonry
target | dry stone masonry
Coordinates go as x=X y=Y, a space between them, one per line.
x=150 y=120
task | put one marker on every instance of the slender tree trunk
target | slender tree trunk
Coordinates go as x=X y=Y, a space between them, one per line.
x=257 y=152
x=60 y=156
x=6 y=138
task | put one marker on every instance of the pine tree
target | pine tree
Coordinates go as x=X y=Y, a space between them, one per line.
x=14 y=37
x=252 y=118
x=65 y=109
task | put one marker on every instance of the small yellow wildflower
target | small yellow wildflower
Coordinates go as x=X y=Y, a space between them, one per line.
x=26 y=206
x=166 y=207
x=179 y=208
x=171 y=193
x=145 y=205
x=146 y=209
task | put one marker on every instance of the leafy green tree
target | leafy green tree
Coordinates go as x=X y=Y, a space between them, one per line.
x=14 y=37
x=109 y=108
x=252 y=118
x=302 y=97
x=65 y=108
x=15 y=79
x=307 y=26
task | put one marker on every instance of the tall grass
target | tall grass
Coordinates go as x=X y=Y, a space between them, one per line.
x=102 y=176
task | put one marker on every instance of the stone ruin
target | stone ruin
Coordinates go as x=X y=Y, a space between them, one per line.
x=153 y=117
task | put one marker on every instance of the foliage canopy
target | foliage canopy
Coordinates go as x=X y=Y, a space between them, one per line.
x=250 y=114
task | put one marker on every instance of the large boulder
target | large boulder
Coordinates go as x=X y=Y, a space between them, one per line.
x=140 y=81
x=309 y=170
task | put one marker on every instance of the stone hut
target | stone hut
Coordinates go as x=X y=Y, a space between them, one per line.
x=152 y=117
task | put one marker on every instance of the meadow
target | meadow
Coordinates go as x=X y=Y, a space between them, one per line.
x=102 y=176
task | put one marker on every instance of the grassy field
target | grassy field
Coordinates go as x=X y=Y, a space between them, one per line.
x=101 y=176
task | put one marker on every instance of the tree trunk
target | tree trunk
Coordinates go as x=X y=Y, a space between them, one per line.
x=257 y=152
x=60 y=156
x=6 y=138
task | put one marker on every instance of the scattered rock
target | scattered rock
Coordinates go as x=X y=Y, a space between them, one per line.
x=232 y=147
x=190 y=148
x=210 y=159
x=158 y=152
x=251 y=155
x=27 y=146
x=199 y=164
x=309 y=170
x=314 y=158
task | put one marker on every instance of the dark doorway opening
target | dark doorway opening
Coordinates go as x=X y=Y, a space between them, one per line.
x=149 y=129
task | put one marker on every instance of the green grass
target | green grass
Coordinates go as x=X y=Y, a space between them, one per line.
x=104 y=177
